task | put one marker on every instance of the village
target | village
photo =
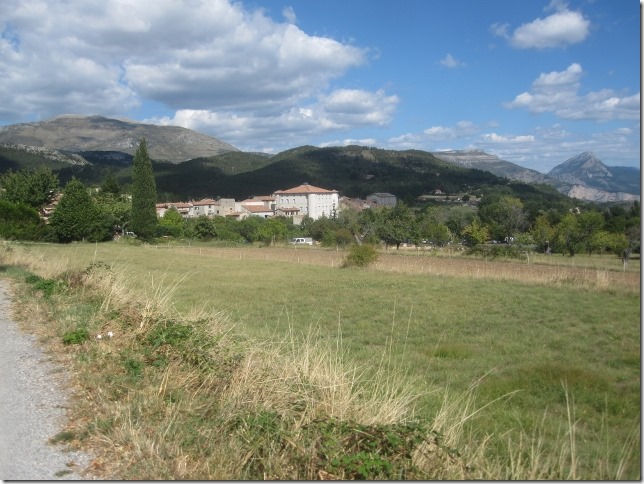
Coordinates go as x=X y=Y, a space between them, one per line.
x=297 y=203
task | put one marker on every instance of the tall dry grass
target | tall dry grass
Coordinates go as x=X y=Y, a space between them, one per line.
x=553 y=274
x=184 y=419
x=214 y=405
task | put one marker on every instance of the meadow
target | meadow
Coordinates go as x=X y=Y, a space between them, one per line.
x=529 y=369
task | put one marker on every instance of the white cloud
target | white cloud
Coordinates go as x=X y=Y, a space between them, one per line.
x=500 y=30
x=289 y=15
x=106 y=57
x=338 y=111
x=540 y=149
x=558 y=93
x=562 y=28
x=450 y=62
x=349 y=142
x=495 y=138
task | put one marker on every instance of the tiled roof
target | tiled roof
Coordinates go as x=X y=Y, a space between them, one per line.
x=205 y=201
x=260 y=198
x=303 y=189
x=256 y=208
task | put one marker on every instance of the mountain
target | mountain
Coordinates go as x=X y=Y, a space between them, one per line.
x=74 y=134
x=583 y=177
x=586 y=176
x=355 y=171
x=483 y=161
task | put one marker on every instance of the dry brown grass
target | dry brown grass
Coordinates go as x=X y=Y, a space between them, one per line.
x=529 y=273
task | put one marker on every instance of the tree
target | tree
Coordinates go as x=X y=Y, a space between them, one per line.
x=272 y=230
x=77 y=217
x=33 y=188
x=439 y=234
x=20 y=222
x=172 y=223
x=589 y=223
x=542 y=233
x=505 y=216
x=567 y=234
x=475 y=233
x=110 y=185
x=144 y=194
x=202 y=227
x=397 y=224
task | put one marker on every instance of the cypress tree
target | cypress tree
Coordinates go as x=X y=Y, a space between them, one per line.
x=144 y=194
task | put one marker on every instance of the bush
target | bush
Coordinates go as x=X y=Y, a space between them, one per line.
x=360 y=256
x=20 y=222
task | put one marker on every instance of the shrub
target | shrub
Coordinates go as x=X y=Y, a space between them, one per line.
x=360 y=256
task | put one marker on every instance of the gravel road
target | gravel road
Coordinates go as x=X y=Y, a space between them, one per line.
x=32 y=408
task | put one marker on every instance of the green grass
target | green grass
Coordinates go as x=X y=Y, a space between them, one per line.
x=540 y=344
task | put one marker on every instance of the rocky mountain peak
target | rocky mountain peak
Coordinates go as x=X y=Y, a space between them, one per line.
x=583 y=165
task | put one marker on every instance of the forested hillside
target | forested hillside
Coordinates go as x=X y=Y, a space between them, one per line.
x=354 y=171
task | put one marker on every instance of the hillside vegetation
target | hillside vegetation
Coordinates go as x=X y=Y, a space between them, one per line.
x=354 y=171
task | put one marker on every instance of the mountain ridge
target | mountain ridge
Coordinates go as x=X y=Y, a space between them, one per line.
x=76 y=133
x=70 y=140
x=583 y=176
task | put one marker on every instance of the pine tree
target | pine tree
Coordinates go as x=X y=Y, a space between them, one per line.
x=144 y=194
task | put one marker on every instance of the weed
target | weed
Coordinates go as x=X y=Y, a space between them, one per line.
x=63 y=437
x=46 y=286
x=133 y=368
x=62 y=473
x=170 y=333
x=76 y=337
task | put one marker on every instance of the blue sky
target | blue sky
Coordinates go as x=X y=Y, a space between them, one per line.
x=534 y=82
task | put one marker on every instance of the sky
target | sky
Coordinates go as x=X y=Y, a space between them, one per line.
x=533 y=82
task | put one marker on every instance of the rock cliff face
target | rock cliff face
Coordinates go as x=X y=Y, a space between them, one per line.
x=595 y=195
x=483 y=161
x=584 y=176
x=75 y=134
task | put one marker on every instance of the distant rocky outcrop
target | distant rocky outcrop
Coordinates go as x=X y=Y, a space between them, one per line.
x=75 y=134
x=581 y=192
x=584 y=176
x=484 y=161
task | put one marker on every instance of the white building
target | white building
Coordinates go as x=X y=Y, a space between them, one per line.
x=306 y=200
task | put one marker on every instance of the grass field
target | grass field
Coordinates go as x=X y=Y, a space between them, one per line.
x=546 y=348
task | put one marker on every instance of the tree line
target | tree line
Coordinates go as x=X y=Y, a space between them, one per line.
x=97 y=214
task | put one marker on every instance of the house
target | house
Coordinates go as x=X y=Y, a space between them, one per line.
x=182 y=207
x=306 y=200
x=225 y=207
x=381 y=200
x=257 y=210
x=266 y=201
x=205 y=207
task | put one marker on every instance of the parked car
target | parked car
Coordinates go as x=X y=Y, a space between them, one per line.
x=302 y=240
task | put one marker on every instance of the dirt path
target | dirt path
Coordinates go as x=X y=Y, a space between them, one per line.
x=32 y=408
